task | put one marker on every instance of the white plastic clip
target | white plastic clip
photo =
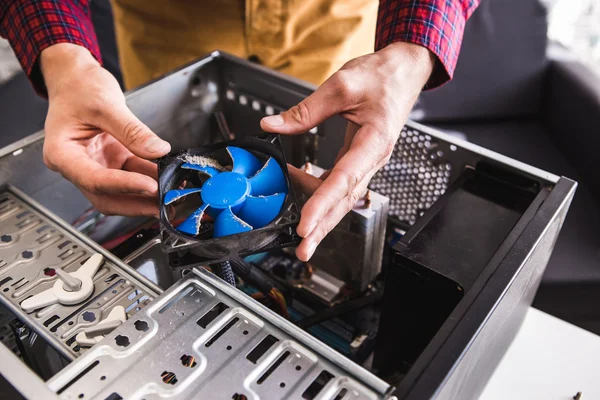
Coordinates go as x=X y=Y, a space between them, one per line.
x=92 y=335
x=78 y=286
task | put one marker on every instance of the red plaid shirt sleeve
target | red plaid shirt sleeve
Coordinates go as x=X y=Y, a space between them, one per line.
x=437 y=25
x=32 y=25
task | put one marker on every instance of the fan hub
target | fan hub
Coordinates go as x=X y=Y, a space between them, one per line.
x=227 y=189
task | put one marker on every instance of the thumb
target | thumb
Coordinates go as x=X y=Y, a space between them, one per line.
x=310 y=112
x=133 y=134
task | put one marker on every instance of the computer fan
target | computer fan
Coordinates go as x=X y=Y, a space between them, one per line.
x=240 y=196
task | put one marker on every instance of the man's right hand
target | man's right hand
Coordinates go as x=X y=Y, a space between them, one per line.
x=93 y=139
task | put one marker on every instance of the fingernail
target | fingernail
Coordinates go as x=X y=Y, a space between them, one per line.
x=274 y=120
x=155 y=144
x=311 y=250
x=309 y=230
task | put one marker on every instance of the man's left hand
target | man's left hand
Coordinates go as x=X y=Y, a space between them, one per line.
x=375 y=93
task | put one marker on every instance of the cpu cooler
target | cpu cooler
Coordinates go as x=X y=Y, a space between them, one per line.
x=236 y=199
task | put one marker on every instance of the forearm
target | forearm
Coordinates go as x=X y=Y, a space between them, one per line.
x=32 y=26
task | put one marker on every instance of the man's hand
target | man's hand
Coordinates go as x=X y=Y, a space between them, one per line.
x=93 y=139
x=375 y=93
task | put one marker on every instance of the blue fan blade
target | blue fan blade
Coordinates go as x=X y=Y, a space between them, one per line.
x=210 y=171
x=191 y=225
x=244 y=162
x=176 y=194
x=259 y=211
x=269 y=180
x=228 y=224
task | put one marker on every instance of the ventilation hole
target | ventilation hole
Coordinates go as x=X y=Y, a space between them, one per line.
x=221 y=332
x=5 y=280
x=102 y=378
x=71 y=322
x=6 y=238
x=317 y=385
x=76 y=349
x=212 y=315
x=50 y=320
x=114 y=291
x=63 y=244
x=111 y=278
x=169 y=377
x=272 y=368
x=228 y=347
x=27 y=254
x=81 y=374
x=80 y=395
x=282 y=385
x=238 y=396
x=122 y=341
x=89 y=316
x=49 y=272
x=245 y=332
x=141 y=326
x=261 y=348
x=188 y=361
x=71 y=340
x=298 y=367
x=114 y=396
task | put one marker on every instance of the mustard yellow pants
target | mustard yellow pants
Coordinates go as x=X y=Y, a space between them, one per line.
x=308 y=39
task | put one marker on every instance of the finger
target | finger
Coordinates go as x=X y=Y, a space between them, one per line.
x=125 y=205
x=328 y=100
x=120 y=122
x=306 y=182
x=141 y=166
x=366 y=155
x=309 y=244
x=77 y=167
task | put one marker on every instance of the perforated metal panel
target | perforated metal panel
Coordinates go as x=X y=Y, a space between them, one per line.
x=32 y=246
x=416 y=175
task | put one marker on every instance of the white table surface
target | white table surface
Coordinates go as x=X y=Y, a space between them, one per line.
x=549 y=359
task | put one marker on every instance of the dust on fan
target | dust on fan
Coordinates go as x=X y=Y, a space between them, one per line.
x=241 y=197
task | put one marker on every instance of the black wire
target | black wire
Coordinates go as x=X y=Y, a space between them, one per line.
x=225 y=272
x=340 y=309
x=254 y=276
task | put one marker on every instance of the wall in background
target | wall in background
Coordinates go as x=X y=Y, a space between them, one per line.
x=576 y=25
x=9 y=66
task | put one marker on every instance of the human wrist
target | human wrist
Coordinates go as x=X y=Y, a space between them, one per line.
x=62 y=62
x=410 y=60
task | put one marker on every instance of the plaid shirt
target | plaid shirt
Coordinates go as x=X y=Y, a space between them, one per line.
x=32 y=25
